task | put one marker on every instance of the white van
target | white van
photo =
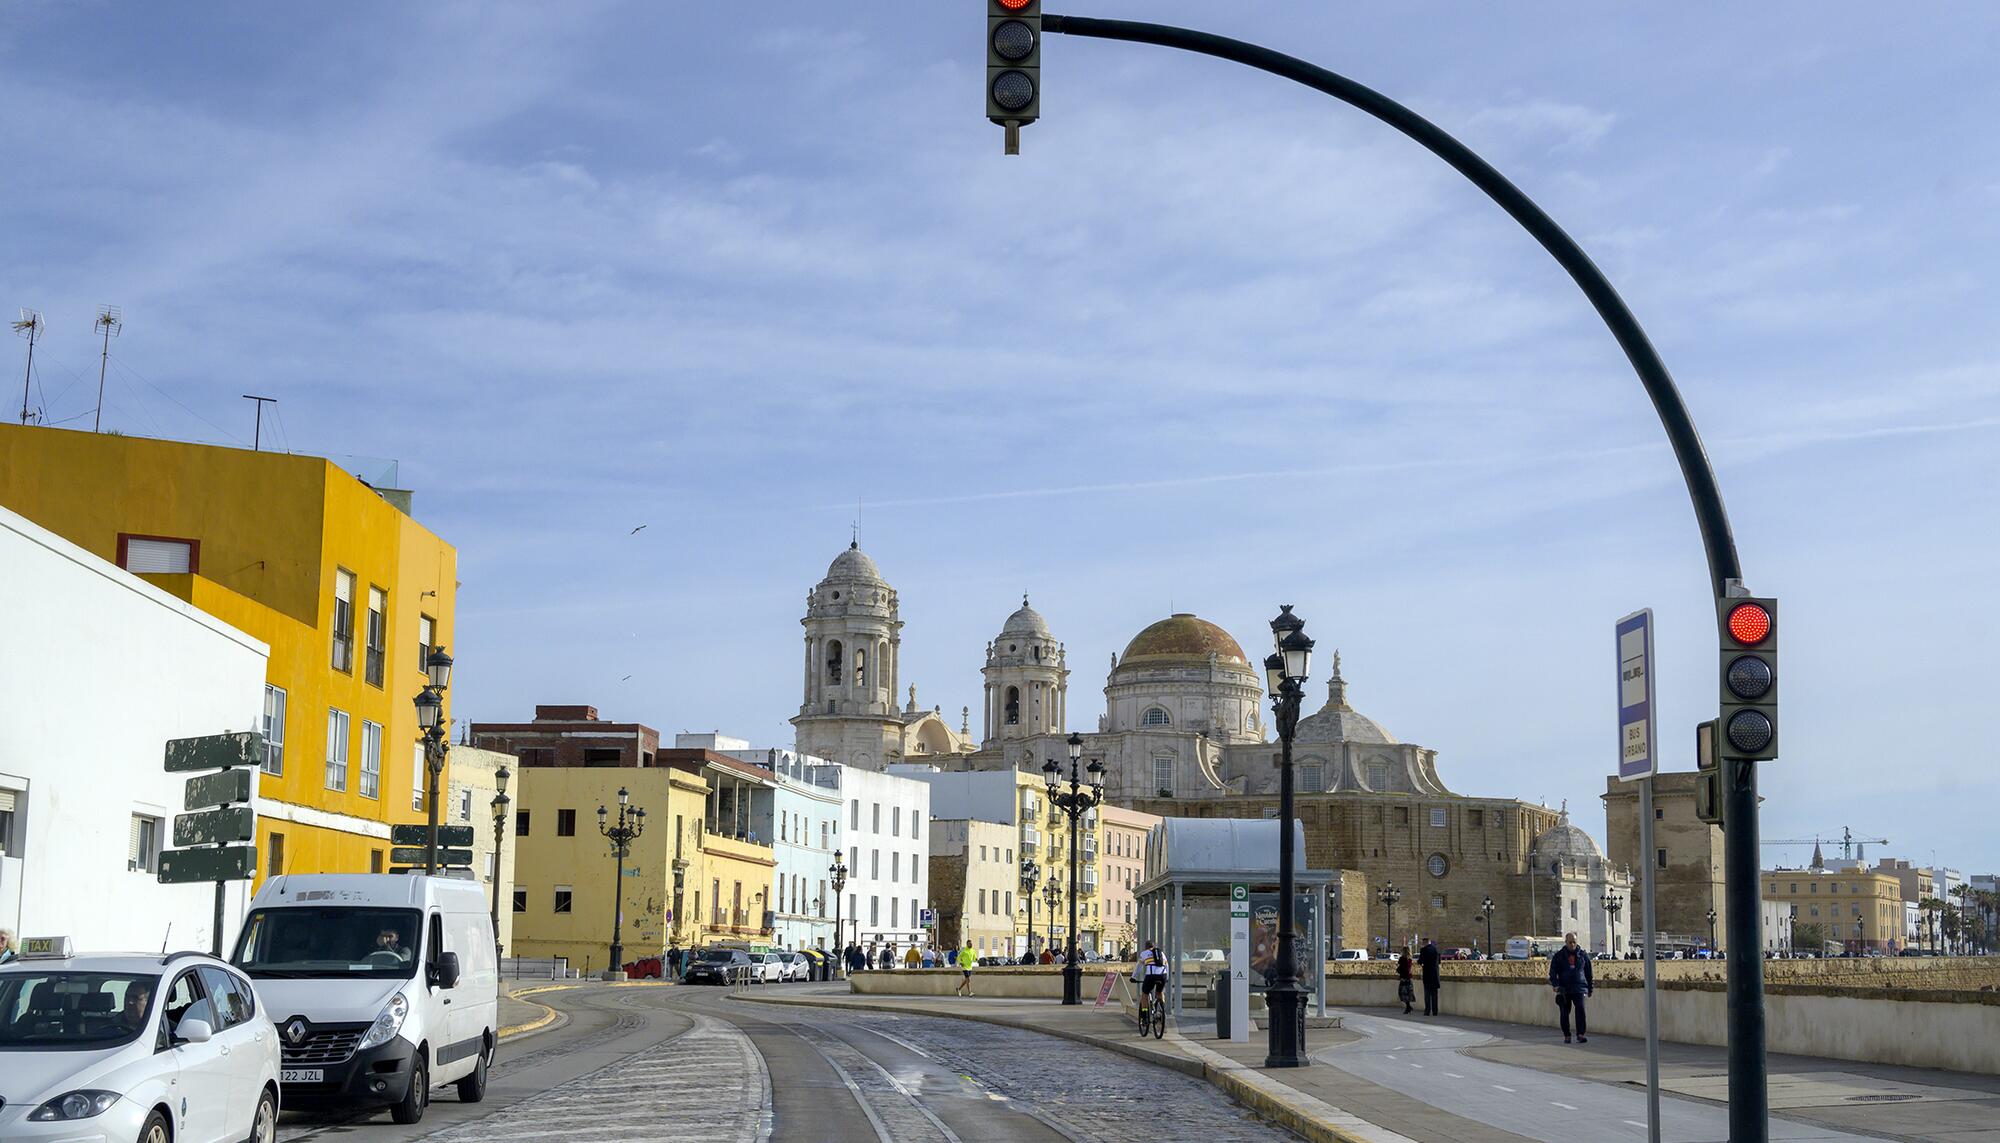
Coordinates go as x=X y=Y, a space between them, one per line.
x=382 y=987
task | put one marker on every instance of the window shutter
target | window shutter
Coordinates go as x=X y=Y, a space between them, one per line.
x=6 y=801
x=135 y=849
x=158 y=555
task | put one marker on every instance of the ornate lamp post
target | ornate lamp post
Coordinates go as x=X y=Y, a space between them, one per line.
x=1285 y=673
x=1052 y=897
x=1614 y=905
x=500 y=801
x=837 y=872
x=631 y=823
x=1711 y=931
x=1031 y=876
x=430 y=724
x=1487 y=908
x=1389 y=895
x=1078 y=800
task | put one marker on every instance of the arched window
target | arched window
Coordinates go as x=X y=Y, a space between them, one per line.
x=1013 y=706
x=833 y=661
x=1156 y=716
x=860 y=668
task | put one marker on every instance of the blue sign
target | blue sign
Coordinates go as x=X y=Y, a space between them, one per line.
x=1637 y=757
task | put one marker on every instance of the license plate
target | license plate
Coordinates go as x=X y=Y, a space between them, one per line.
x=302 y=1075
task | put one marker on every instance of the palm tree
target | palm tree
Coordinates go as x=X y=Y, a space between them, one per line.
x=1963 y=914
x=1930 y=907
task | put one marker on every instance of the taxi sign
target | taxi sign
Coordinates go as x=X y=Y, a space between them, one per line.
x=54 y=948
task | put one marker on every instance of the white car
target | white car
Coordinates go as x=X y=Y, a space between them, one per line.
x=767 y=967
x=797 y=966
x=1351 y=954
x=172 y=1049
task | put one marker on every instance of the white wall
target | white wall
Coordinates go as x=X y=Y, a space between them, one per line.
x=886 y=864
x=801 y=860
x=98 y=669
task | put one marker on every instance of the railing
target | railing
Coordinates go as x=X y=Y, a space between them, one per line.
x=742 y=920
x=535 y=968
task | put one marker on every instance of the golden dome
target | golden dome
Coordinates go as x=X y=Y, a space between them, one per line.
x=1182 y=636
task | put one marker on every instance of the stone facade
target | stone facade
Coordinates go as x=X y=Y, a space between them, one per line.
x=1854 y=910
x=1687 y=856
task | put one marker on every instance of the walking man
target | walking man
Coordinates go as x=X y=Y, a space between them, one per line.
x=1569 y=975
x=966 y=959
x=1429 y=957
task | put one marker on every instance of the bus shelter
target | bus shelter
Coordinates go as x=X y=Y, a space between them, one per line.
x=1192 y=865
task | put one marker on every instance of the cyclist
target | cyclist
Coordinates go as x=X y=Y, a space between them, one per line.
x=1153 y=973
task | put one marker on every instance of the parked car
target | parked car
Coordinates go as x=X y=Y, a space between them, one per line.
x=1206 y=959
x=766 y=967
x=797 y=966
x=134 y=1047
x=1351 y=954
x=718 y=966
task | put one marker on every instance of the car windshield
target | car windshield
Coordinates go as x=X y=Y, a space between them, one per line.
x=78 y=1011
x=329 y=941
x=718 y=956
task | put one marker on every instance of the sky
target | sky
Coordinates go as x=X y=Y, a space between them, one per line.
x=1212 y=342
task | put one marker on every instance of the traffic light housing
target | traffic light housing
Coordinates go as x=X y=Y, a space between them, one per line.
x=1708 y=775
x=1013 y=65
x=1748 y=725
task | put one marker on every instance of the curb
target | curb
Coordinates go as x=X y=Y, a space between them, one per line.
x=1297 y=1112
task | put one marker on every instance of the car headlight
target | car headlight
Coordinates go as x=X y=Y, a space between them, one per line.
x=387 y=1023
x=81 y=1104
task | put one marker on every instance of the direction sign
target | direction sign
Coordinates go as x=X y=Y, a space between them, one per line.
x=224 y=863
x=421 y=835
x=205 y=790
x=215 y=752
x=210 y=827
x=1637 y=757
x=414 y=855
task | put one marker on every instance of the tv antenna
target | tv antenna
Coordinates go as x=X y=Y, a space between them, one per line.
x=30 y=326
x=110 y=320
x=257 y=434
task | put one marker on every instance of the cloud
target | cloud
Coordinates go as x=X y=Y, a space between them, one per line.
x=1563 y=125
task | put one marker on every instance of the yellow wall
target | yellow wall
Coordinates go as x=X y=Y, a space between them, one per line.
x=729 y=862
x=1836 y=896
x=544 y=861
x=1053 y=854
x=272 y=530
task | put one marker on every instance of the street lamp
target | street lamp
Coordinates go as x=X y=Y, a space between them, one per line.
x=1487 y=908
x=631 y=823
x=500 y=801
x=1031 y=876
x=1389 y=895
x=1711 y=931
x=1285 y=673
x=430 y=724
x=1085 y=793
x=1052 y=897
x=1614 y=905
x=838 y=873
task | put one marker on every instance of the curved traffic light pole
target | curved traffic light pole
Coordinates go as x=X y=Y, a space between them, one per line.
x=1749 y=1119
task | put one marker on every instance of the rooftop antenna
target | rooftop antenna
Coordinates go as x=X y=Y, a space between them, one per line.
x=30 y=326
x=257 y=434
x=110 y=320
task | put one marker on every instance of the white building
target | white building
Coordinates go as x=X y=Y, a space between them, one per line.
x=888 y=879
x=804 y=840
x=99 y=670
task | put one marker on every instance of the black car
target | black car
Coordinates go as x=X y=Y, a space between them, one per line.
x=717 y=966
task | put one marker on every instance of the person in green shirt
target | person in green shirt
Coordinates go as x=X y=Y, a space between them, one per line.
x=966 y=959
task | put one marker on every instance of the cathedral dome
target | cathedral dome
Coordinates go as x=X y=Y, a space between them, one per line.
x=1566 y=840
x=853 y=564
x=1339 y=722
x=1027 y=622
x=1182 y=636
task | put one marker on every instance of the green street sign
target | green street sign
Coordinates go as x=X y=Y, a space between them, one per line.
x=213 y=827
x=226 y=863
x=205 y=790
x=215 y=752
x=414 y=855
x=421 y=835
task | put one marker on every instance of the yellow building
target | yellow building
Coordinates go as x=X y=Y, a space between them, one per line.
x=1858 y=910
x=347 y=589
x=1044 y=832
x=564 y=866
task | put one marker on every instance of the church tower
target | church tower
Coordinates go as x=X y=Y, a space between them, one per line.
x=853 y=640
x=1027 y=683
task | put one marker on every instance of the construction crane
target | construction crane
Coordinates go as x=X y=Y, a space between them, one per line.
x=1851 y=847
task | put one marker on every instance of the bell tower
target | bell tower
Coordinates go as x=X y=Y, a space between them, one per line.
x=1027 y=681
x=852 y=641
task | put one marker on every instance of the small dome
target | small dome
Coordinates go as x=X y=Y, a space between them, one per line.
x=1339 y=722
x=1566 y=840
x=1026 y=622
x=853 y=564
x=1182 y=636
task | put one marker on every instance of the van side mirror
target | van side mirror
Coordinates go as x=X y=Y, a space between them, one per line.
x=447 y=970
x=193 y=1031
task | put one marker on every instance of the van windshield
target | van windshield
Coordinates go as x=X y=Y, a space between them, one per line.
x=329 y=941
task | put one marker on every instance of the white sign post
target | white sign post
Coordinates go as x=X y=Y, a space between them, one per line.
x=1638 y=760
x=1239 y=963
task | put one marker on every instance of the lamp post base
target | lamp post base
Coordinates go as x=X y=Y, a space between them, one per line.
x=1286 y=1005
x=613 y=974
x=1072 y=984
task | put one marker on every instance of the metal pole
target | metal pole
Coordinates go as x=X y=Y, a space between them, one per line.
x=215 y=939
x=1652 y=966
x=434 y=763
x=498 y=819
x=1281 y=1000
x=1072 y=973
x=1749 y=1113
x=617 y=893
x=97 y=421
x=28 y=375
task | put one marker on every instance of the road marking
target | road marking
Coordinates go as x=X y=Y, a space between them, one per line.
x=1564 y=1106
x=1503 y=1087
x=1454 y=1075
x=1388 y=1055
x=1635 y=1123
x=1419 y=1067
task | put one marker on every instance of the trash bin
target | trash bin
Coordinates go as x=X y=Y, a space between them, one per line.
x=1218 y=987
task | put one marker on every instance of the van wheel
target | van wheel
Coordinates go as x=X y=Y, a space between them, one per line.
x=418 y=1097
x=155 y=1130
x=472 y=1088
x=264 y=1126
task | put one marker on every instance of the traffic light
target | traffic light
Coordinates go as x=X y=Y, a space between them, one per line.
x=1013 y=65
x=1748 y=726
x=1708 y=775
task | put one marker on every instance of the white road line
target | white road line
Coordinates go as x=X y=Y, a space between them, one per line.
x=1454 y=1075
x=1564 y=1106
x=1635 y=1123
x=1419 y=1067
x=1502 y=1087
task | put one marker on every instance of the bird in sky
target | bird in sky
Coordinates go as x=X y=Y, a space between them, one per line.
x=636 y=530
x=626 y=679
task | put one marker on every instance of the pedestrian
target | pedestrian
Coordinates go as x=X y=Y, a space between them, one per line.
x=1405 y=991
x=7 y=946
x=1048 y=955
x=913 y=958
x=674 y=961
x=966 y=959
x=1569 y=975
x=855 y=961
x=1429 y=957
x=888 y=956
x=930 y=957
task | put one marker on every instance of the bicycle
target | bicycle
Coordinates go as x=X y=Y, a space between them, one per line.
x=1153 y=1015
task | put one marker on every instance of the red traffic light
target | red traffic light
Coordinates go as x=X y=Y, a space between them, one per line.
x=1749 y=624
x=1015 y=5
